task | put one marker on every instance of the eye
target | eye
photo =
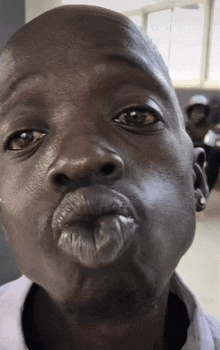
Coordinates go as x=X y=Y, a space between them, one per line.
x=23 y=139
x=137 y=117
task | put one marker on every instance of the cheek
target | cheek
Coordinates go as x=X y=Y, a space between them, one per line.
x=169 y=203
x=169 y=224
x=29 y=232
x=23 y=186
x=23 y=191
x=166 y=234
x=167 y=195
x=19 y=211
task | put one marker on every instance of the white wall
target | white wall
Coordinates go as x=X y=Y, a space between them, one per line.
x=34 y=8
x=115 y=5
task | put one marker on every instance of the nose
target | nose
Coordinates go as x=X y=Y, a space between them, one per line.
x=84 y=163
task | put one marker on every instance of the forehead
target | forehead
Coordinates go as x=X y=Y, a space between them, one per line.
x=65 y=38
x=76 y=31
x=63 y=41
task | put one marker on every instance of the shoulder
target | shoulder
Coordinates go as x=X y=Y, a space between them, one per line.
x=12 y=298
x=14 y=290
x=204 y=329
x=214 y=327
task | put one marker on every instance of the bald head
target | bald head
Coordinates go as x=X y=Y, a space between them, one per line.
x=71 y=33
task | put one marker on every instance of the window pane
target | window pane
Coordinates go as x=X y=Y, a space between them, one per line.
x=158 y=29
x=178 y=33
x=214 y=72
x=186 y=43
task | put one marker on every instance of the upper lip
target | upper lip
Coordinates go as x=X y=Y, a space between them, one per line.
x=87 y=203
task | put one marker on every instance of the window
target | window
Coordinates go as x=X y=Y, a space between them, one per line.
x=214 y=72
x=187 y=34
x=159 y=30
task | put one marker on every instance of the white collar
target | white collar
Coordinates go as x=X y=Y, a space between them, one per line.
x=12 y=298
x=13 y=295
x=199 y=334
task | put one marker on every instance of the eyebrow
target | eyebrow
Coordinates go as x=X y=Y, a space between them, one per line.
x=132 y=61
x=138 y=62
x=15 y=84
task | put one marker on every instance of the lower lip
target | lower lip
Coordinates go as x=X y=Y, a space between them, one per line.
x=101 y=245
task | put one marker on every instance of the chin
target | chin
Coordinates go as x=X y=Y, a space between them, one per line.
x=119 y=292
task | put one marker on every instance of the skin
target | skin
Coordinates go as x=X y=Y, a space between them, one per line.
x=83 y=76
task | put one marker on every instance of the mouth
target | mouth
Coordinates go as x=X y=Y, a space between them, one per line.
x=94 y=225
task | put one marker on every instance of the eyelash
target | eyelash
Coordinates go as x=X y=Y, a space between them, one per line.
x=18 y=134
x=122 y=123
x=141 y=112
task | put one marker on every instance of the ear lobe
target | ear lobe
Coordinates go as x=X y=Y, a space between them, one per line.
x=201 y=190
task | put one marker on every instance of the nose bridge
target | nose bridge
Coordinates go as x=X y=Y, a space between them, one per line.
x=84 y=157
x=80 y=153
x=81 y=146
x=78 y=146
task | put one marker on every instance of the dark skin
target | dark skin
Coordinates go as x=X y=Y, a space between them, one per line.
x=89 y=120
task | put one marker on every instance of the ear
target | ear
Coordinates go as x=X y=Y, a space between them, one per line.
x=200 y=185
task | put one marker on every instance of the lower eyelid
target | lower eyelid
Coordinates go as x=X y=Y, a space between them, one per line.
x=152 y=115
x=17 y=134
x=156 y=126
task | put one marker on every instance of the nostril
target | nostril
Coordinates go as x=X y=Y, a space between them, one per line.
x=108 y=169
x=61 y=180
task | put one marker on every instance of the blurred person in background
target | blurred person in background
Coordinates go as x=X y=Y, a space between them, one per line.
x=203 y=126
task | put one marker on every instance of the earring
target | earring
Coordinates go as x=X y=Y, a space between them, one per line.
x=1 y=201
x=202 y=201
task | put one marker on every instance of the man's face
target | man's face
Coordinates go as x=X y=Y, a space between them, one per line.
x=96 y=170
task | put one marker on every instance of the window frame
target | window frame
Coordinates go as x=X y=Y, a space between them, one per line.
x=209 y=5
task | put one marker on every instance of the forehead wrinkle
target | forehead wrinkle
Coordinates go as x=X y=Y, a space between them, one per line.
x=132 y=61
x=139 y=62
x=24 y=78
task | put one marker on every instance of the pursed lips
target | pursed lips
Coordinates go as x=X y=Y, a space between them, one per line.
x=94 y=225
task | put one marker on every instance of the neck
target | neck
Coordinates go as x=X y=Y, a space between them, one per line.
x=145 y=333
x=59 y=330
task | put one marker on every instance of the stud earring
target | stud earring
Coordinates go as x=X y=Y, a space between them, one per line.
x=202 y=201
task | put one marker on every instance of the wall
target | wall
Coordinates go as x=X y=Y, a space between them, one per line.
x=11 y=19
x=35 y=7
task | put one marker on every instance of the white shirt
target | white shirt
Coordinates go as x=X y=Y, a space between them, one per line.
x=203 y=332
